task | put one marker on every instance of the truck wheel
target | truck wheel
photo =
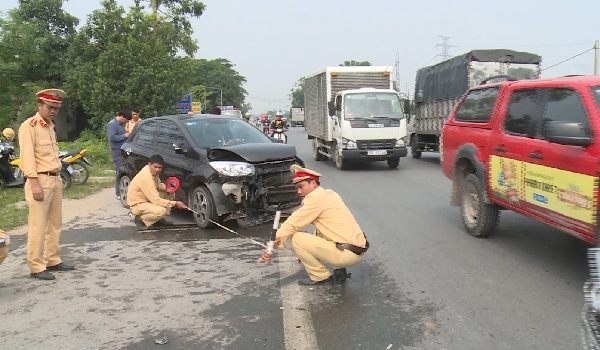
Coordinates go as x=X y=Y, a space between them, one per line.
x=201 y=201
x=480 y=219
x=316 y=155
x=340 y=162
x=414 y=148
x=393 y=162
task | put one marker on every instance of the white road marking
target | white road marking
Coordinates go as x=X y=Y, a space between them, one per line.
x=299 y=333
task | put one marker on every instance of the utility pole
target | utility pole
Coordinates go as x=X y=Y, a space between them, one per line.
x=397 y=68
x=444 y=46
x=597 y=57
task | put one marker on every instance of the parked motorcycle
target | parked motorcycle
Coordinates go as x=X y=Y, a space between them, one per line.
x=78 y=162
x=279 y=134
x=12 y=176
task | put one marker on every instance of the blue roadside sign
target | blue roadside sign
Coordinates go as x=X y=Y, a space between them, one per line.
x=184 y=105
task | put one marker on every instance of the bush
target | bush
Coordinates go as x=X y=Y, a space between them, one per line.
x=96 y=144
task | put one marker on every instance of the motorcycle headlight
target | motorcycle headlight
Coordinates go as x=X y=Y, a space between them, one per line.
x=399 y=143
x=233 y=168
x=348 y=144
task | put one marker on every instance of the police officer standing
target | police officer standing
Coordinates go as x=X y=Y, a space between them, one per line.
x=339 y=240
x=116 y=138
x=44 y=187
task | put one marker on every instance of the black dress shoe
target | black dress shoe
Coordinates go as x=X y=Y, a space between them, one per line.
x=60 y=267
x=44 y=275
x=140 y=224
x=309 y=282
x=340 y=275
x=164 y=222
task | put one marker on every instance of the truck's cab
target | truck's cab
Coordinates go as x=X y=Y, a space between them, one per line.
x=368 y=124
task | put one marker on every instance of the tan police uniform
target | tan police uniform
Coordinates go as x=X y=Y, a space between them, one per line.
x=4 y=243
x=148 y=198
x=39 y=159
x=326 y=210
x=131 y=124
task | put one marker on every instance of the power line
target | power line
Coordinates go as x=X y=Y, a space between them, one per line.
x=568 y=59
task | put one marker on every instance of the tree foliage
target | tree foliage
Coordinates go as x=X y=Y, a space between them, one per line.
x=215 y=76
x=297 y=93
x=33 y=39
x=125 y=59
x=355 y=63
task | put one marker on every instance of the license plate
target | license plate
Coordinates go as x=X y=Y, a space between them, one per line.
x=378 y=152
x=70 y=169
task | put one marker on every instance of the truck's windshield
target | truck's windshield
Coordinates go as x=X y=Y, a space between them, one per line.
x=596 y=91
x=372 y=105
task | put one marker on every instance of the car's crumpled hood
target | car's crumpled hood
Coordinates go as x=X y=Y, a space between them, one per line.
x=254 y=152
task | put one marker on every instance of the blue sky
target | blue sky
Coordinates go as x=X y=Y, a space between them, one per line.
x=275 y=42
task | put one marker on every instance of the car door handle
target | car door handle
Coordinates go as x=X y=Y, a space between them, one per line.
x=500 y=148
x=536 y=155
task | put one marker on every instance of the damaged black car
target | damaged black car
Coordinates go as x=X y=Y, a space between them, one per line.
x=227 y=169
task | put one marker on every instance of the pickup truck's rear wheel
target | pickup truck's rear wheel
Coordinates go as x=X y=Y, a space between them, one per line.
x=480 y=219
x=316 y=155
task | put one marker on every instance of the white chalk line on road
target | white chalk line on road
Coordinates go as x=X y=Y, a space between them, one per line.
x=299 y=333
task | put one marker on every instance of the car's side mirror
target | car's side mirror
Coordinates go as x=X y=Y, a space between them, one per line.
x=331 y=107
x=567 y=133
x=179 y=148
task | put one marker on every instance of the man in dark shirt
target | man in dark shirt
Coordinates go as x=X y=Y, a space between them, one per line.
x=116 y=138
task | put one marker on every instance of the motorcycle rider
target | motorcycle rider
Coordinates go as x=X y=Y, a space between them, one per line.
x=5 y=171
x=265 y=124
x=278 y=123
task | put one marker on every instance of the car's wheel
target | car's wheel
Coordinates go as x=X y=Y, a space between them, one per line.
x=202 y=203
x=316 y=155
x=393 y=162
x=66 y=178
x=340 y=162
x=480 y=219
x=124 y=182
x=414 y=148
x=81 y=173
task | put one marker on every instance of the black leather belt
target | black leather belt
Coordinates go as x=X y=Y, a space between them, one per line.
x=50 y=173
x=351 y=247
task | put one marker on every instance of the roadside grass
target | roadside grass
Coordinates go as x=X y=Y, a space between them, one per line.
x=13 y=208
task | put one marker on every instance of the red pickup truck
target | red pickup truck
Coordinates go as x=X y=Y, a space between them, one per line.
x=531 y=146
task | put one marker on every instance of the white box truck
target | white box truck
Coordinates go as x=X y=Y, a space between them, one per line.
x=353 y=114
x=297 y=114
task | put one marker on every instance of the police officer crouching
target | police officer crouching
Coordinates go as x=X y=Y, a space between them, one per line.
x=44 y=188
x=339 y=240
x=148 y=198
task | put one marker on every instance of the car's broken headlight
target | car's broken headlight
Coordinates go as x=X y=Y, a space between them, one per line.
x=233 y=168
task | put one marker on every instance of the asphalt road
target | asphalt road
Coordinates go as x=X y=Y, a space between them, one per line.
x=424 y=283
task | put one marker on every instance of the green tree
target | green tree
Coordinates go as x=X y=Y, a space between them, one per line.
x=33 y=39
x=218 y=76
x=128 y=59
x=355 y=63
x=297 y=94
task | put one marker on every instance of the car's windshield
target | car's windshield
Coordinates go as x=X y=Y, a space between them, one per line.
x=596 y=91
x=232 y=113
x=220 y=132
x=372 y=105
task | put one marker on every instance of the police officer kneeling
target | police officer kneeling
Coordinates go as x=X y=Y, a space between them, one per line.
x=339 y=240
x=148 y=198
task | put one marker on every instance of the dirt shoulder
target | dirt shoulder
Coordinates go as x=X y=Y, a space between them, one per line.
x=73 y=208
